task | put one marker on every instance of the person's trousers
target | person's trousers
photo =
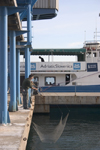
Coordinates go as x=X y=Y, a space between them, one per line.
x=25 y=98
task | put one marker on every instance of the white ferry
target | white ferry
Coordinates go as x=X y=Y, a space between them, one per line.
x=80 y=76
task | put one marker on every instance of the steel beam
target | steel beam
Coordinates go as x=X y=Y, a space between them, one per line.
x=26 y=62
x=18 y=32
x=4 y=116
x=27 y=52
x=18 y=75
x=33 y=2
x=29 y=89
x=13 y=103
x=23 y=15
x=13 y=9
x=14 y=70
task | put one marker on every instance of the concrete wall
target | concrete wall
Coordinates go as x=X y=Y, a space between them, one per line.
x=42 y=104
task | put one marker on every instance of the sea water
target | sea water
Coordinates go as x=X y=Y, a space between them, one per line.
x=82 y=130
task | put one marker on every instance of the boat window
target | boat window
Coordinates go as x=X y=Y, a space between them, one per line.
x=88 y=54
x=50 y=80
x=67 y=78
x=94 y=54
x=99 y=76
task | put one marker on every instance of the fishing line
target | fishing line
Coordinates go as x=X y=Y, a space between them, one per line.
x=60 y=110
x=40 y=89
x=67 y=107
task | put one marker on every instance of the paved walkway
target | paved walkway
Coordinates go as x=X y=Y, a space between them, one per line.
x=14 y=136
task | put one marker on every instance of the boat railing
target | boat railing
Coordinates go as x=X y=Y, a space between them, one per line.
x=74 y=89
x=91 y=43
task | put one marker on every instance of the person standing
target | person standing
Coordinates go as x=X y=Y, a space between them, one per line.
x=27 y=83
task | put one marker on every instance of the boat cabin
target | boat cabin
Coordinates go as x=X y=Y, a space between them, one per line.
x=80 y=72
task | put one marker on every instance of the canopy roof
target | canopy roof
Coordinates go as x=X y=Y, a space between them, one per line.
x=58 y=51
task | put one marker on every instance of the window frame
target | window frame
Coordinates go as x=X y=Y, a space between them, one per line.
x=50 y=77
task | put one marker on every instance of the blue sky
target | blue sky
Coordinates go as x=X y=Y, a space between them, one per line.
x=67 y=29
x=75 y=22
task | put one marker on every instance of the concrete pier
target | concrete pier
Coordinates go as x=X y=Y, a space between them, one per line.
x=42 y=104
x=14 y=136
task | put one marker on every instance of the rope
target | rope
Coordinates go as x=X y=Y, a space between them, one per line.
x=60 y=110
